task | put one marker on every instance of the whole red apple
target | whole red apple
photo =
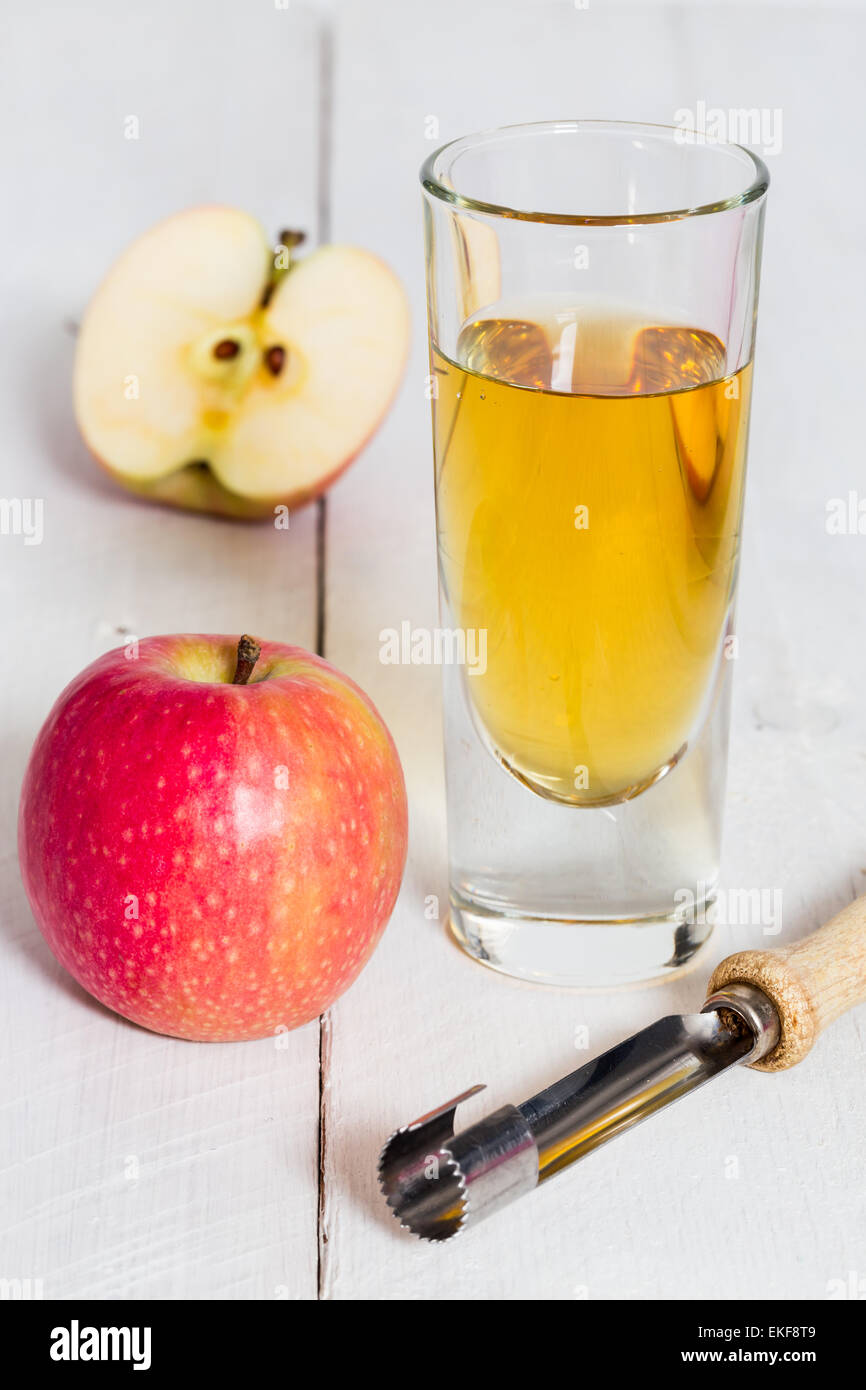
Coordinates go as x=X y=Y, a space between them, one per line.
x=212 y=834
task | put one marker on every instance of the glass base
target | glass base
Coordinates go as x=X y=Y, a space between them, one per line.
x=580 y=953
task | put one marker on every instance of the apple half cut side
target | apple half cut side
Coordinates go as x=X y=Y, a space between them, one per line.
x=207 y=379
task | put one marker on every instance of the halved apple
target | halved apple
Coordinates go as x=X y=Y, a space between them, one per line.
x=216 y=374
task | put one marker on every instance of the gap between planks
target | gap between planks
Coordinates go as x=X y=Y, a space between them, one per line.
x=325 y=45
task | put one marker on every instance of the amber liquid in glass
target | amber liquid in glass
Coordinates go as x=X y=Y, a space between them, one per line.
x=589 y=478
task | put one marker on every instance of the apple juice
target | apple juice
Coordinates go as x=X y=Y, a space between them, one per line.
x=589 y=480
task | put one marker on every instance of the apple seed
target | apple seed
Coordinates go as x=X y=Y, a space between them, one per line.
x=274 y=359
x=225 y=349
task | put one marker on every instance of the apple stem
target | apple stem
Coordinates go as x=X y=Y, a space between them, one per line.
x=249 y=652
x=288 y=240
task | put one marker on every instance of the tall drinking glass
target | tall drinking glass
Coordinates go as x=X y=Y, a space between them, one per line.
x=592 y=292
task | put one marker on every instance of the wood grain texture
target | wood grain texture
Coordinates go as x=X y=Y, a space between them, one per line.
x=132 y=1164
x=778 y=1163
x=812 y=982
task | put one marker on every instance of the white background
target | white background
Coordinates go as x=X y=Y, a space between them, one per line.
x=134 y=1165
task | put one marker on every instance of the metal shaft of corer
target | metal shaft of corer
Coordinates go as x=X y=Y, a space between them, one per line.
x=438 y=1182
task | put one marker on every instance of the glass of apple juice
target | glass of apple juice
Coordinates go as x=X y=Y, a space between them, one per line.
x=592 y=293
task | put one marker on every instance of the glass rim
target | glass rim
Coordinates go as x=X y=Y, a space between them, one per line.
x=433 y=184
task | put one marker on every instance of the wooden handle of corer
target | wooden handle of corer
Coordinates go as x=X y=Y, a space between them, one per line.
x=811 y=983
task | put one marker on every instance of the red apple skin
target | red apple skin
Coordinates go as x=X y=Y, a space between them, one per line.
x=259 y=831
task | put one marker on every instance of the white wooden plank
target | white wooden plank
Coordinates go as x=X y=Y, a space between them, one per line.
x=773 y=1162
x=132 y=1164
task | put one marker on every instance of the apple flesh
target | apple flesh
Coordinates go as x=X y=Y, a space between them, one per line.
x=213 y=860
x=211 y=375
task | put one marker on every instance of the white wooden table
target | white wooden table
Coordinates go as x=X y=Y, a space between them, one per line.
x=138 y=1166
